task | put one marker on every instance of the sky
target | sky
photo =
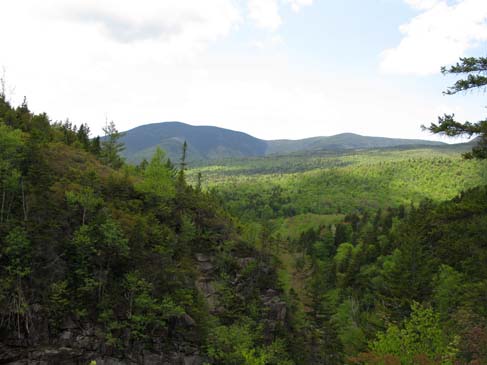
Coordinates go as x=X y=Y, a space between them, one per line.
x=272 y=68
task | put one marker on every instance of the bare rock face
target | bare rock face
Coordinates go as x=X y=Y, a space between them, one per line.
x=8 y=355
x=276 y=313
x=205 y=282
x=200 y=257
x=70 y=356
x=193 y=360
x=188 y=320
x=244 y=262
x=81 y=344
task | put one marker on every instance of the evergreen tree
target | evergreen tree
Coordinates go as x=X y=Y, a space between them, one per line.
x=111 y=147
x=83 y=135
x=183 y=165
x=475 y=70
x=95 y=146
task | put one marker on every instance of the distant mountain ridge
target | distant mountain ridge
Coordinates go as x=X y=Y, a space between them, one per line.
x=342 y=141
x=209 y=142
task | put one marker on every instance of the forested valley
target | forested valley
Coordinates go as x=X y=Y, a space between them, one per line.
x=361 y=257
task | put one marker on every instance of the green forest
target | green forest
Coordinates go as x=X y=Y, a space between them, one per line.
x=342 y=183
x=371 y=257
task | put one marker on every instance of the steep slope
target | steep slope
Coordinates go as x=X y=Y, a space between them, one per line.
x=122 y=266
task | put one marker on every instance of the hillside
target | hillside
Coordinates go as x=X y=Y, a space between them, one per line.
x=285 y=186
x=343 y=141
x=204 y=142
x=102 y=263
x=210 y=143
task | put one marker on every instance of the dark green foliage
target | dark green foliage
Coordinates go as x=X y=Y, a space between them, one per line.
x=475 y=70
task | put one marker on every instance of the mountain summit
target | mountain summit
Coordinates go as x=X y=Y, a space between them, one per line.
x=204 y=142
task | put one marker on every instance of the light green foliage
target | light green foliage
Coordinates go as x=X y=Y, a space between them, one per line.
x=447 y=292
x=97 y=252
x=347 y=262
x=347 y=321
x=157 y=177
x=59 y=302
x=86 y=198
x=187 y=232
x=18 y=250
x=344 y=254
x=236 y=345
x=13 y=300
x=113 y=241
x=11 y=144
x=146 y=313
x=227 y=344
x=420 y=336
x=341 y=184
x=252 y=357
x=292 y=227
x=84 y=266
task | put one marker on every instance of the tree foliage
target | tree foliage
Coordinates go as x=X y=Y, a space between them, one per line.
x=474 y=71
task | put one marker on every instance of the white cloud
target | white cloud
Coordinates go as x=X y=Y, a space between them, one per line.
x=296 y=5
x=152 y=61
x=128 y=21
x=265 y=13
x=84 y=59
x=438 y=36
x=422 y=4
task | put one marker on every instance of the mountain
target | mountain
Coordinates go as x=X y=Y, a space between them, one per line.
x=343 y=141
x=208 y=142
x=204 y=142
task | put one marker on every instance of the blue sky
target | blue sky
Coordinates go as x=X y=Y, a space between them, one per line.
x=271 y=68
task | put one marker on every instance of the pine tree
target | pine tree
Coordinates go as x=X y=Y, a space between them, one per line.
x=183 y=165
x=111 y=146
x=83 y=135
x=475 y=70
